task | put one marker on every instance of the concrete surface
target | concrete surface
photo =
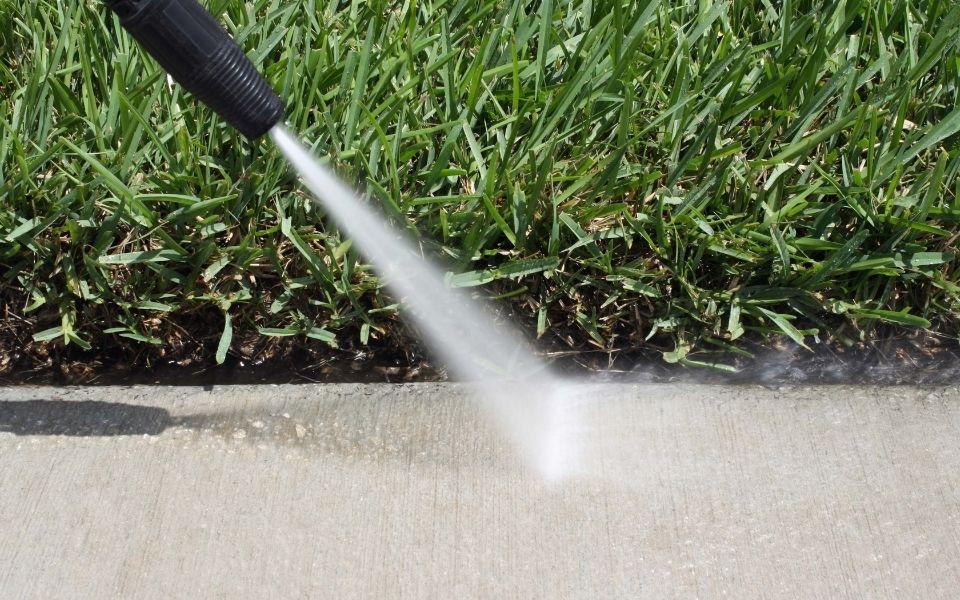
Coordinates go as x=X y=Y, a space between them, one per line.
x=357 y=491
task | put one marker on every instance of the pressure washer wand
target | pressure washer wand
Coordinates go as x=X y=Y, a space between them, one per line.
x=202 y=57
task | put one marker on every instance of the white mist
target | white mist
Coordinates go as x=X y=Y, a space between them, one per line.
x=535 y=408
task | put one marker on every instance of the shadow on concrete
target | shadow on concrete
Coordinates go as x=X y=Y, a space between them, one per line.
x=354 y=430
x=91 y=418
x=82 y=419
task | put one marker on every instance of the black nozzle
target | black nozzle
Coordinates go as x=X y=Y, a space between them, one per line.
x=202 y=57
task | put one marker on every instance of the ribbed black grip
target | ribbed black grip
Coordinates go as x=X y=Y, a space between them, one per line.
x=202 y=57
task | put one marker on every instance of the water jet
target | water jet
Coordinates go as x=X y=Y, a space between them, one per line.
x=532 y=405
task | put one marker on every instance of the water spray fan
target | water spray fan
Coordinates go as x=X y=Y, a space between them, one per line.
x=202 y=57
x=535 y=408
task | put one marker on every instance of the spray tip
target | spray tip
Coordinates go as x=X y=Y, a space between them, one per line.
x=202 y=57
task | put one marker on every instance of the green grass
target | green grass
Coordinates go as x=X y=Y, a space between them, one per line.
x=630 y=170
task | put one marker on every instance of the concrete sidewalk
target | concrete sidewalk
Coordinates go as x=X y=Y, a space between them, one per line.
x=379 y=491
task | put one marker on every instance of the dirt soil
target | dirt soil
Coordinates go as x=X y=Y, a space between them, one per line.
x=894 y=360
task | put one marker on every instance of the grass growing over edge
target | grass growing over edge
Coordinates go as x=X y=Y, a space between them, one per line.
x=621 y=171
